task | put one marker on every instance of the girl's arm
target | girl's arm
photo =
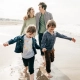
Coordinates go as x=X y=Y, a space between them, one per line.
x=12 y=41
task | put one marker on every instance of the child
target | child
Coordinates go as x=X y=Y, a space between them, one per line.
x=47 y=44
x=27 y=46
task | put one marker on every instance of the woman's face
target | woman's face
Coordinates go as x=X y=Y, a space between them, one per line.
x=32 y=11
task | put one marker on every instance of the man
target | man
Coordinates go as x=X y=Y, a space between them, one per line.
x=41 y=19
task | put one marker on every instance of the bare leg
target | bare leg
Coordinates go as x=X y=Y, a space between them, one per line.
x=25 y=71
x=32 y=76
x=44 y=62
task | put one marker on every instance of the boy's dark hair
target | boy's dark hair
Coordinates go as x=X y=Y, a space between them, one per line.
x=31 y=29
x=51 y=23
x=43 y=5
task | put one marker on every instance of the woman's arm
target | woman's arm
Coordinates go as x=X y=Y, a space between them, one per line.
x=24 y=24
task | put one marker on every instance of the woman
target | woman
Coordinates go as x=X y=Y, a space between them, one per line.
x=28 y=20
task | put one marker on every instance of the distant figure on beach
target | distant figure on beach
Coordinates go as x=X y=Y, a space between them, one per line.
x=27 y=45
x=47 y=44
x=41 y=19
x=29 y=19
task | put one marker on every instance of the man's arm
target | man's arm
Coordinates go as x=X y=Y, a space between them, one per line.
x=51 y=17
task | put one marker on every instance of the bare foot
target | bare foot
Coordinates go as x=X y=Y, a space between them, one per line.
x=44 y=64
x=49 y=75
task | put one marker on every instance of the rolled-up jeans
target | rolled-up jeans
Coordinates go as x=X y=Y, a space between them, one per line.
x=49 y=57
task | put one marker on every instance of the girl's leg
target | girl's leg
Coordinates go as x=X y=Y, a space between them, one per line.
x=31 y=68
x=32 y=76
x=25 y=62
x=25 y=69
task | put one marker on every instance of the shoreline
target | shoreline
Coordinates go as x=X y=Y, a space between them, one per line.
x=10 y=22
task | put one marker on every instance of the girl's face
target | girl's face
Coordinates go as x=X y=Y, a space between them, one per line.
x=29 y=35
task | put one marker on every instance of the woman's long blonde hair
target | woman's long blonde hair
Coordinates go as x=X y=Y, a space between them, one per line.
x=28 y=14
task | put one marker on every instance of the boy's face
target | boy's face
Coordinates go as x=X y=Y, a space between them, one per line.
x=29 y=35
x=51 y=28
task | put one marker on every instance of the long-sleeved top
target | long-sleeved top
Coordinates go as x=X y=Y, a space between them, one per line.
x=48 y=40
x=30 y=21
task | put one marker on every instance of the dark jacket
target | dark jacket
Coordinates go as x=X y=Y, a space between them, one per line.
x=20 y=42
x=48 y=40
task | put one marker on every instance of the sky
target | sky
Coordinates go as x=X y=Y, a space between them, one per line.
x=63 y=11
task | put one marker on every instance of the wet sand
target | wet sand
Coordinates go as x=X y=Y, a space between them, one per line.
x=65 y=67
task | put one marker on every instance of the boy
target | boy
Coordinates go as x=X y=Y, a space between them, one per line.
x=27 y=45
x=47 y=44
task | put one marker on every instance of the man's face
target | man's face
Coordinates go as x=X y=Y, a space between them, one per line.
x=40 y=8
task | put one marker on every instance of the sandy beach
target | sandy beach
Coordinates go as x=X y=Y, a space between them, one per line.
x=65 y=67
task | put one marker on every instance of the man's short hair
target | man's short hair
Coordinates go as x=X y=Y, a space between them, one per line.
x=51 y=23
x=43 y=5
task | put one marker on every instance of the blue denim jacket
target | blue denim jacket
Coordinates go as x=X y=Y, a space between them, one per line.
x=19 y=44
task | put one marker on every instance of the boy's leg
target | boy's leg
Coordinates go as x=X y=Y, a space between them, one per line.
x=52 y=55
x=48 y=63
x=31 y=68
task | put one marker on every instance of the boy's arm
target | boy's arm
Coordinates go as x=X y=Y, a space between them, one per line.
x=63 y=36
x=43 y=41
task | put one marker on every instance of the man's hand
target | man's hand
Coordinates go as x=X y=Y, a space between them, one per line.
x=74 y=40
x=44 y=49
x=5 y=44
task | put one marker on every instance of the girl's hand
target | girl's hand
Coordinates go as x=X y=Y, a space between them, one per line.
x=5 y=44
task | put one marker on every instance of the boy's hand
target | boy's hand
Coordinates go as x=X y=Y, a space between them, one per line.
x=74 y=40
x=44 y=49
x=5 y=44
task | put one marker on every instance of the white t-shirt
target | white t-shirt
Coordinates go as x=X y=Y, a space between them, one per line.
x=27 y=48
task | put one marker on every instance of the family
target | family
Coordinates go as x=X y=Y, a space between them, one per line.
x=42 y=24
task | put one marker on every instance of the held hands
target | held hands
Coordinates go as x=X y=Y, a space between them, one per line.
x=5 y=44
x=44 y=49
x=74 y=40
